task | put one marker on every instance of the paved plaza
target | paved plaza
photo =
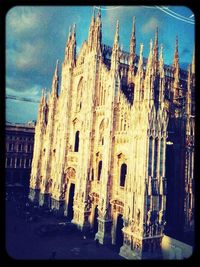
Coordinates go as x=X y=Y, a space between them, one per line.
x=35 y=234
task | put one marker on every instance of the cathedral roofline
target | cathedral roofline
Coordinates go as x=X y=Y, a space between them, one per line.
x=106 y=49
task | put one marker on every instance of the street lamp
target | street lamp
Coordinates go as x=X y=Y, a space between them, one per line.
x=170 y=143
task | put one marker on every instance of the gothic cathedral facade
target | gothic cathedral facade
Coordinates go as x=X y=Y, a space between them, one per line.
x=101 y=146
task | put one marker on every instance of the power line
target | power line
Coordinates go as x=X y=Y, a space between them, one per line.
x=178 y=15
x=167 y=11
x=22 y=99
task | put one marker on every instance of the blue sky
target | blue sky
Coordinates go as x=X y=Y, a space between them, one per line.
x=36 y=37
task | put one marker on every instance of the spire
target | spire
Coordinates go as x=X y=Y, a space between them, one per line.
x=91 y=30
x=74 y=29
x=42 y=108
x=140 y=63
x=139 y=78
x=155 y=50
x=188 y=100
x=116 y=40
x=176 y=57
x=98 y=33
x=99 y=12
x=56 y=69
x=156 y=37
x=162 y=76
x=95 y=35
x=133 y=28
x=93 y=18
x=161 y=63
x=176 y=70
x=43 y=98
x=115 y=50
x=55 y=80
x=132 y=44
x=74 y=33
x=70 y=33
x=70 y=51
x=149 y=79
x=193 y=62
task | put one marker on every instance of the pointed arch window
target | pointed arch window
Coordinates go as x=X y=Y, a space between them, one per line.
x=99 y=170
x=101 y=132
x=150 y=156
x=123 y=172
x=161 y=156
x=125 y=121
x=76 y=143
x=79 y=95
x=155 y=157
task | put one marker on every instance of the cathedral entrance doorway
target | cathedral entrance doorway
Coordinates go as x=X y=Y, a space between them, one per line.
x=95 y=224
x=70 y=212
x=119 y=233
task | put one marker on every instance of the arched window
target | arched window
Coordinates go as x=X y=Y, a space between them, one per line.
x=155 y=157
x=76 y=144
x=99 y=169
x=123 y=174
x=79 y=95
x=125 y=121
x=161 y=156
x=101 y=131
x=150 y=156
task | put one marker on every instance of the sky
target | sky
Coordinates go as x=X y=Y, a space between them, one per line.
x=36 y=37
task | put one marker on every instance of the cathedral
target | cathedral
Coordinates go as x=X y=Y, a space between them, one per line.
x=114 y=150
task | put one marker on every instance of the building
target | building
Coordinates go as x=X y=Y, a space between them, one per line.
x=19 y=152
x=112 y=147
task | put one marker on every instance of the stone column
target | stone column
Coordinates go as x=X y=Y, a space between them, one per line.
x=104 y=227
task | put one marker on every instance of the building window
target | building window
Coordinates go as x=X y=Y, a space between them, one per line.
x=8 y=162
x=150 y=156
x=101 y=131
x=99 y=170
x=154 y=183
x=125 y=121
x=20 y=147
x=161 y=156
x=76 y=144
x=123 y=174
x=18 y=162
x=155 y=157
x=11 y=147
x=92 y=178
x=160 y=202
x=148 y=198
x=26 y=163
x=79 y=95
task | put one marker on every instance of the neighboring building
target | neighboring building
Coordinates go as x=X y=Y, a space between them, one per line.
x=100 y=153
x=19 y=152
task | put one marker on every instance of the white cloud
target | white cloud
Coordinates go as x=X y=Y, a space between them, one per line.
x=32 y=92
x=21 y=20
x=150 y=25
